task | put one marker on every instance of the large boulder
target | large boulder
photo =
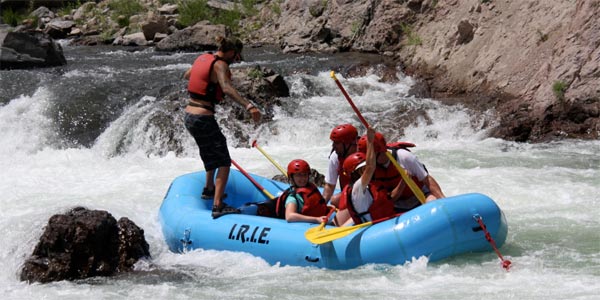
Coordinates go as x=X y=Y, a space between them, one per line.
x=299 y=26
x=21 y=50
x=83 y=12
x=154 y=24
x=200 y=37
x=84 y=243
x=59 y=29
x=260 y=85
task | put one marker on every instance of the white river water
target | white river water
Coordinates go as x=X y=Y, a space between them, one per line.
x=550 y=193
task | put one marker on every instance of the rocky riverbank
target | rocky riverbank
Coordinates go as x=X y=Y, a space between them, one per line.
x=536 y=64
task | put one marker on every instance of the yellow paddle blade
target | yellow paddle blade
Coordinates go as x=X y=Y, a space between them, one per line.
x=332 y=74
x=314 y=230
x=317 y=236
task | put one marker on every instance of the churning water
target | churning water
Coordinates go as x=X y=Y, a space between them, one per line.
x=101 y=134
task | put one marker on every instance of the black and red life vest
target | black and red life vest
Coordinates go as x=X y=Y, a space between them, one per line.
x=343 y=177
x=381 y=207
x=314 y=203
x=200 y=87
x=388 y=177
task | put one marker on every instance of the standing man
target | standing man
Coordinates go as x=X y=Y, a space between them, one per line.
x=344 y=138
x=210 y=78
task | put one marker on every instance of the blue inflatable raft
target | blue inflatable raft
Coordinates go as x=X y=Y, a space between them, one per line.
x=439 y=229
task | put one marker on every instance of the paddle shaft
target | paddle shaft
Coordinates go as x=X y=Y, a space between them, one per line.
x=278 y=166
x=256 y=184
x=339 y=84
x=411 y=184
x=320 y=227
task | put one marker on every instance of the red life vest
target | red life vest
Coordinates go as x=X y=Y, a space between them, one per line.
x=400 y=145
x=389 y=177
x=344 y=179
x=200 y=87
x=314 y=203
x=381 y=207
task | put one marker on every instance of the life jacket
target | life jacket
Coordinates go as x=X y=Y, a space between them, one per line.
x=314 y=203
x=344 y=178
x=200 y=87
x=381 y=207
x=400 y=145
x=389 y=177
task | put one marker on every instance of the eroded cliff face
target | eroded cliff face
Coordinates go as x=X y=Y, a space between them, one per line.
x=540 y=59
x=536 y=63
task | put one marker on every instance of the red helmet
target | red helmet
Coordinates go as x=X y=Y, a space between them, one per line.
x=345 y=133
x=378 y=142
x=352 y=161
x=298 y=166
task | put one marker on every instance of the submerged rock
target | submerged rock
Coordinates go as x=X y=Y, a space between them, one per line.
x=84 y=243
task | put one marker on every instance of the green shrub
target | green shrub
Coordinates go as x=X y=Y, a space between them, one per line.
x=123 y=9
x=411 y=38
x=276 y=7
x=126 y=7
x=256 y=73
x=229 y=18
x=193 y=11
x=317 y=9
x=68 y=8
x=559 y=88
x=11 y=17
x=355 y=27
x=248 y=6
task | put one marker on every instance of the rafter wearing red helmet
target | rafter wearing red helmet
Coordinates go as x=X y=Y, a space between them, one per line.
x=303 y=201
x=344 y=138
x=365 y=200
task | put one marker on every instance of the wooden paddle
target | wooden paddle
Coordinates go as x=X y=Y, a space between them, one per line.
x=278 y=166
x=256 y=184
x=411 y=184
x=317 y=236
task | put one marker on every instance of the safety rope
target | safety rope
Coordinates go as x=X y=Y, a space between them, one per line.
x=505 y=262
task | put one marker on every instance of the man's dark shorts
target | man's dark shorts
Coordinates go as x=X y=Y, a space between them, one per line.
x=404 y=205
x=210 y=140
